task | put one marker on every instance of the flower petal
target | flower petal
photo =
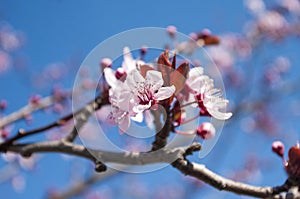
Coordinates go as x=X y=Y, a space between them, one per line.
x=154 y=78
x=133 y=78
x=138 y=117
x=194 y=73
x=198 y=83
x=164 y=93
x=141 y=108
x=110 y=78
x=128 y=62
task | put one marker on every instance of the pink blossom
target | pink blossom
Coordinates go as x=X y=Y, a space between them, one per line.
x=209 y=98
x=147 y=91
x=5 y=61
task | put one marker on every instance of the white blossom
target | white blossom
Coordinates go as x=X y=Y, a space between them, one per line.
x=147 y=91
x=207 y=96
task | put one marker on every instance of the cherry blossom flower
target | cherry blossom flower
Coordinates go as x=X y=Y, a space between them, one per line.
x=5 y=61
x=129 y=99
x=209 y=98
x=147 y=91
x=273 y=24
x=121 y=101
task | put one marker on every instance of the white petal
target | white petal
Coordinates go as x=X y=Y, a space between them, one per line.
x=155 y=78
x=194 y=73
x=199 y=83
x=149 y=119
x=138 y=118
x=110 y=78
x=219 y=115
x=133 y=78
x=141 y=108
x=164 y=92
x=128 y=62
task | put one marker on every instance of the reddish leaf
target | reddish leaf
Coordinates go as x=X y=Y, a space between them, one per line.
x=178 y=77
x=293 y=166
x=294 y=155
x=211 y=40
x=164 y=59
x=165 y=67
x=184 y=69
x=174 y=62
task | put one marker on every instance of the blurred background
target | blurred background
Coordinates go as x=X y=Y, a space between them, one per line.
x=42 y=44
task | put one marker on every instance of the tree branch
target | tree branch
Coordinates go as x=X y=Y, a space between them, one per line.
x=26 y=110
x=90 y=107
x=179 y=154
x=80 y=187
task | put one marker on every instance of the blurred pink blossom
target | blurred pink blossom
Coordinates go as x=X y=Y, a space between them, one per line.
x=5 y=61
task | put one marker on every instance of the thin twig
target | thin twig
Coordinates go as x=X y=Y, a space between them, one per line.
x=80 y=187
x=26 y=110
x=96 y=104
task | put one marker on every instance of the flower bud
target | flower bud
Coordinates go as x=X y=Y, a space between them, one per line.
x=171 y=31
x=144 y=50
x=3 y=105
x=278 y=148
x=105 y=62
x=206 y=32
x=120 y=73
x=193 y=36
x=35 y=99
x=206 y=130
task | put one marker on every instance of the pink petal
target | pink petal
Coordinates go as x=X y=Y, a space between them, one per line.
x=164 y=93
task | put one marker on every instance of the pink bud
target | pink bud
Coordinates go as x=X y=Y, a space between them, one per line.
x=120 y=73
x=278 y=148
x=144 y=50
x=171 y=30
x=206 y=130
x=193 y=36
x=3 y=104
x=35 y=99
x=105 y=62
x=206 y=32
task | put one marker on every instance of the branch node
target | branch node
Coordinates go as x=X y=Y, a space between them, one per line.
x=100 y=167
x=192 y=148
x=26 y=154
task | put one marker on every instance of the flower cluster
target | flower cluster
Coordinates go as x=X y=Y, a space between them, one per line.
x=137 y=87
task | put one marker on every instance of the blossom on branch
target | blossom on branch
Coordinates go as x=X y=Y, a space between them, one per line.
x=147 y=91
x=207 y=96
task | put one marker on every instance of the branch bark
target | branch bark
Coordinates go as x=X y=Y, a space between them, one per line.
x=178 y=154
x=26 y=110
